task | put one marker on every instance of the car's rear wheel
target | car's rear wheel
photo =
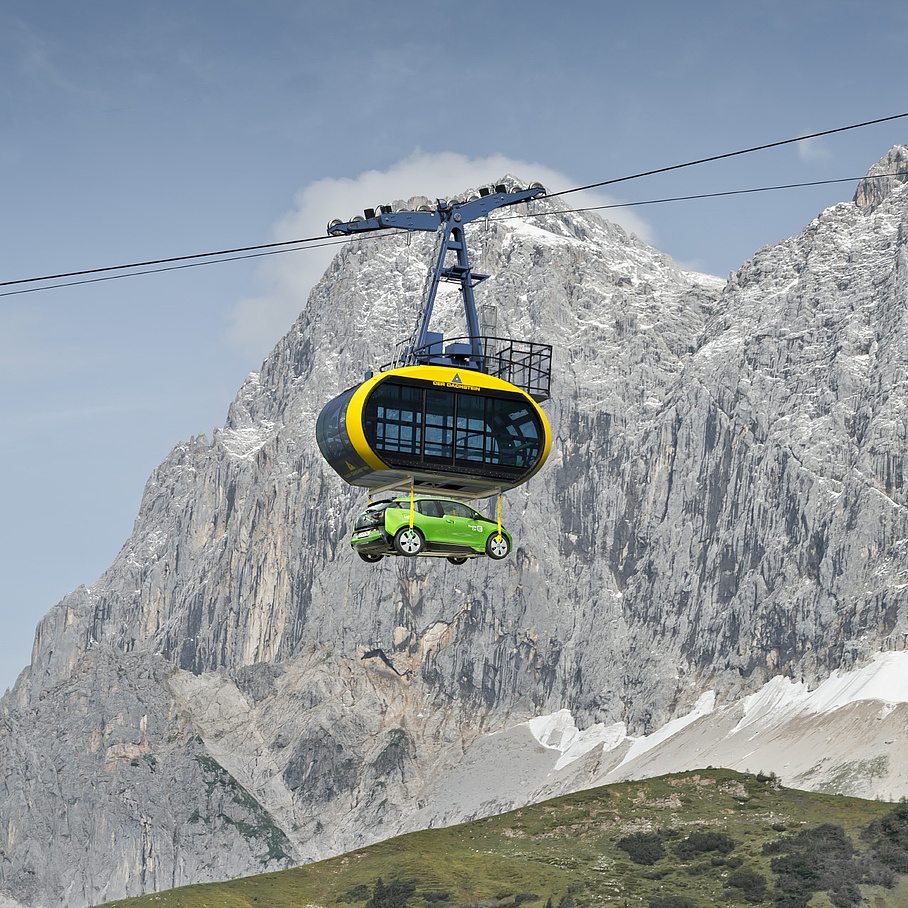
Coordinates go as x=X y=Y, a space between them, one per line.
x=456 y=559
x=408 y=541
x=370 y=557
x=497 y=547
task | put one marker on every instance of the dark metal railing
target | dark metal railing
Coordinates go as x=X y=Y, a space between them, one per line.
x=526 y=364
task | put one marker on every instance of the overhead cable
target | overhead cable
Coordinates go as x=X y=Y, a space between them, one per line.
x=176 y=258
x=114 y=277
x=732 y=154
x=710 y=195
x=385 y=234
x=316 y=241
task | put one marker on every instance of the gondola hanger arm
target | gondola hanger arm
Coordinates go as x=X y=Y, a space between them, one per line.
x=383 y=218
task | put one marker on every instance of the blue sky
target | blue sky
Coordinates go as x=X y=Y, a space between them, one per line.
x=138 y=131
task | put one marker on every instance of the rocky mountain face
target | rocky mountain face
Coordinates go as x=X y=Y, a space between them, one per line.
x=724 y=504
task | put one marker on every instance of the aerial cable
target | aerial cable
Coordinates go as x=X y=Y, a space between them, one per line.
x=313 y=240
x=114 y=277
x=176 y=258
x=706 y=195
x=389 y=233
x=729 y=154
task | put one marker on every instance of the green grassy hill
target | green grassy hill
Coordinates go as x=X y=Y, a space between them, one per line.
x=713 y=837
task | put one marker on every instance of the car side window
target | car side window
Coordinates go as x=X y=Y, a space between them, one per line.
x=461 y=510
x=429 y=508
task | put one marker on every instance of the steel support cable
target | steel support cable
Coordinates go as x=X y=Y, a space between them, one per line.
x=314 y=243
x=709 y=195
x=386 y=234
x=731 y=154
x=176 y=258
x=114 y=277
x=389 y=233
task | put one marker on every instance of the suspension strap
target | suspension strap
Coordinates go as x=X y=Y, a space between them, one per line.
x=411 y=505
x=498 y=537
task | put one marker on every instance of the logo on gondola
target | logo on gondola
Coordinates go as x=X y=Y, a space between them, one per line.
x=457 y=382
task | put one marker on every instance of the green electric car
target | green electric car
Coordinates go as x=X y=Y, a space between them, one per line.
x=442 y=527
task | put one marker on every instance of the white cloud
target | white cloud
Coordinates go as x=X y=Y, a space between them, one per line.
x=810 y=151
x=257 y=323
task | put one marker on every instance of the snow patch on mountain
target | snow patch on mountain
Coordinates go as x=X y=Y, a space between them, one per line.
x=247 y=441
x=705 y=704
x=884 y=679
x=559 y=732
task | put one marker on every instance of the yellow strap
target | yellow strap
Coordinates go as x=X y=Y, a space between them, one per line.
x=411 y=505
x=498 y=537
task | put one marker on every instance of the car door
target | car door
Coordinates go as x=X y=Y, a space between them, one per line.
x=463 y=525
x=431 y=520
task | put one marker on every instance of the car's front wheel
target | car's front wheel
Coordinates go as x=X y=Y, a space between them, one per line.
x=370 y=557
x=408 y=541
x=497 y=546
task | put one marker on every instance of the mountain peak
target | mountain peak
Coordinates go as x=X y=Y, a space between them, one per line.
x=887 y=175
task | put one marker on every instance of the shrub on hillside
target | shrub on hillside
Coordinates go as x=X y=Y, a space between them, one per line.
x=395 y=894
x=889 y=838
x=815 y=860
x=894 y=825
x=890 y=856
x=643 y=847
x=704 y=841
x=874 y=872
x=751 y=884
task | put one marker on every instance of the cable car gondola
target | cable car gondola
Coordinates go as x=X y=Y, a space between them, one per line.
x=443 y=428
x=461 y=419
